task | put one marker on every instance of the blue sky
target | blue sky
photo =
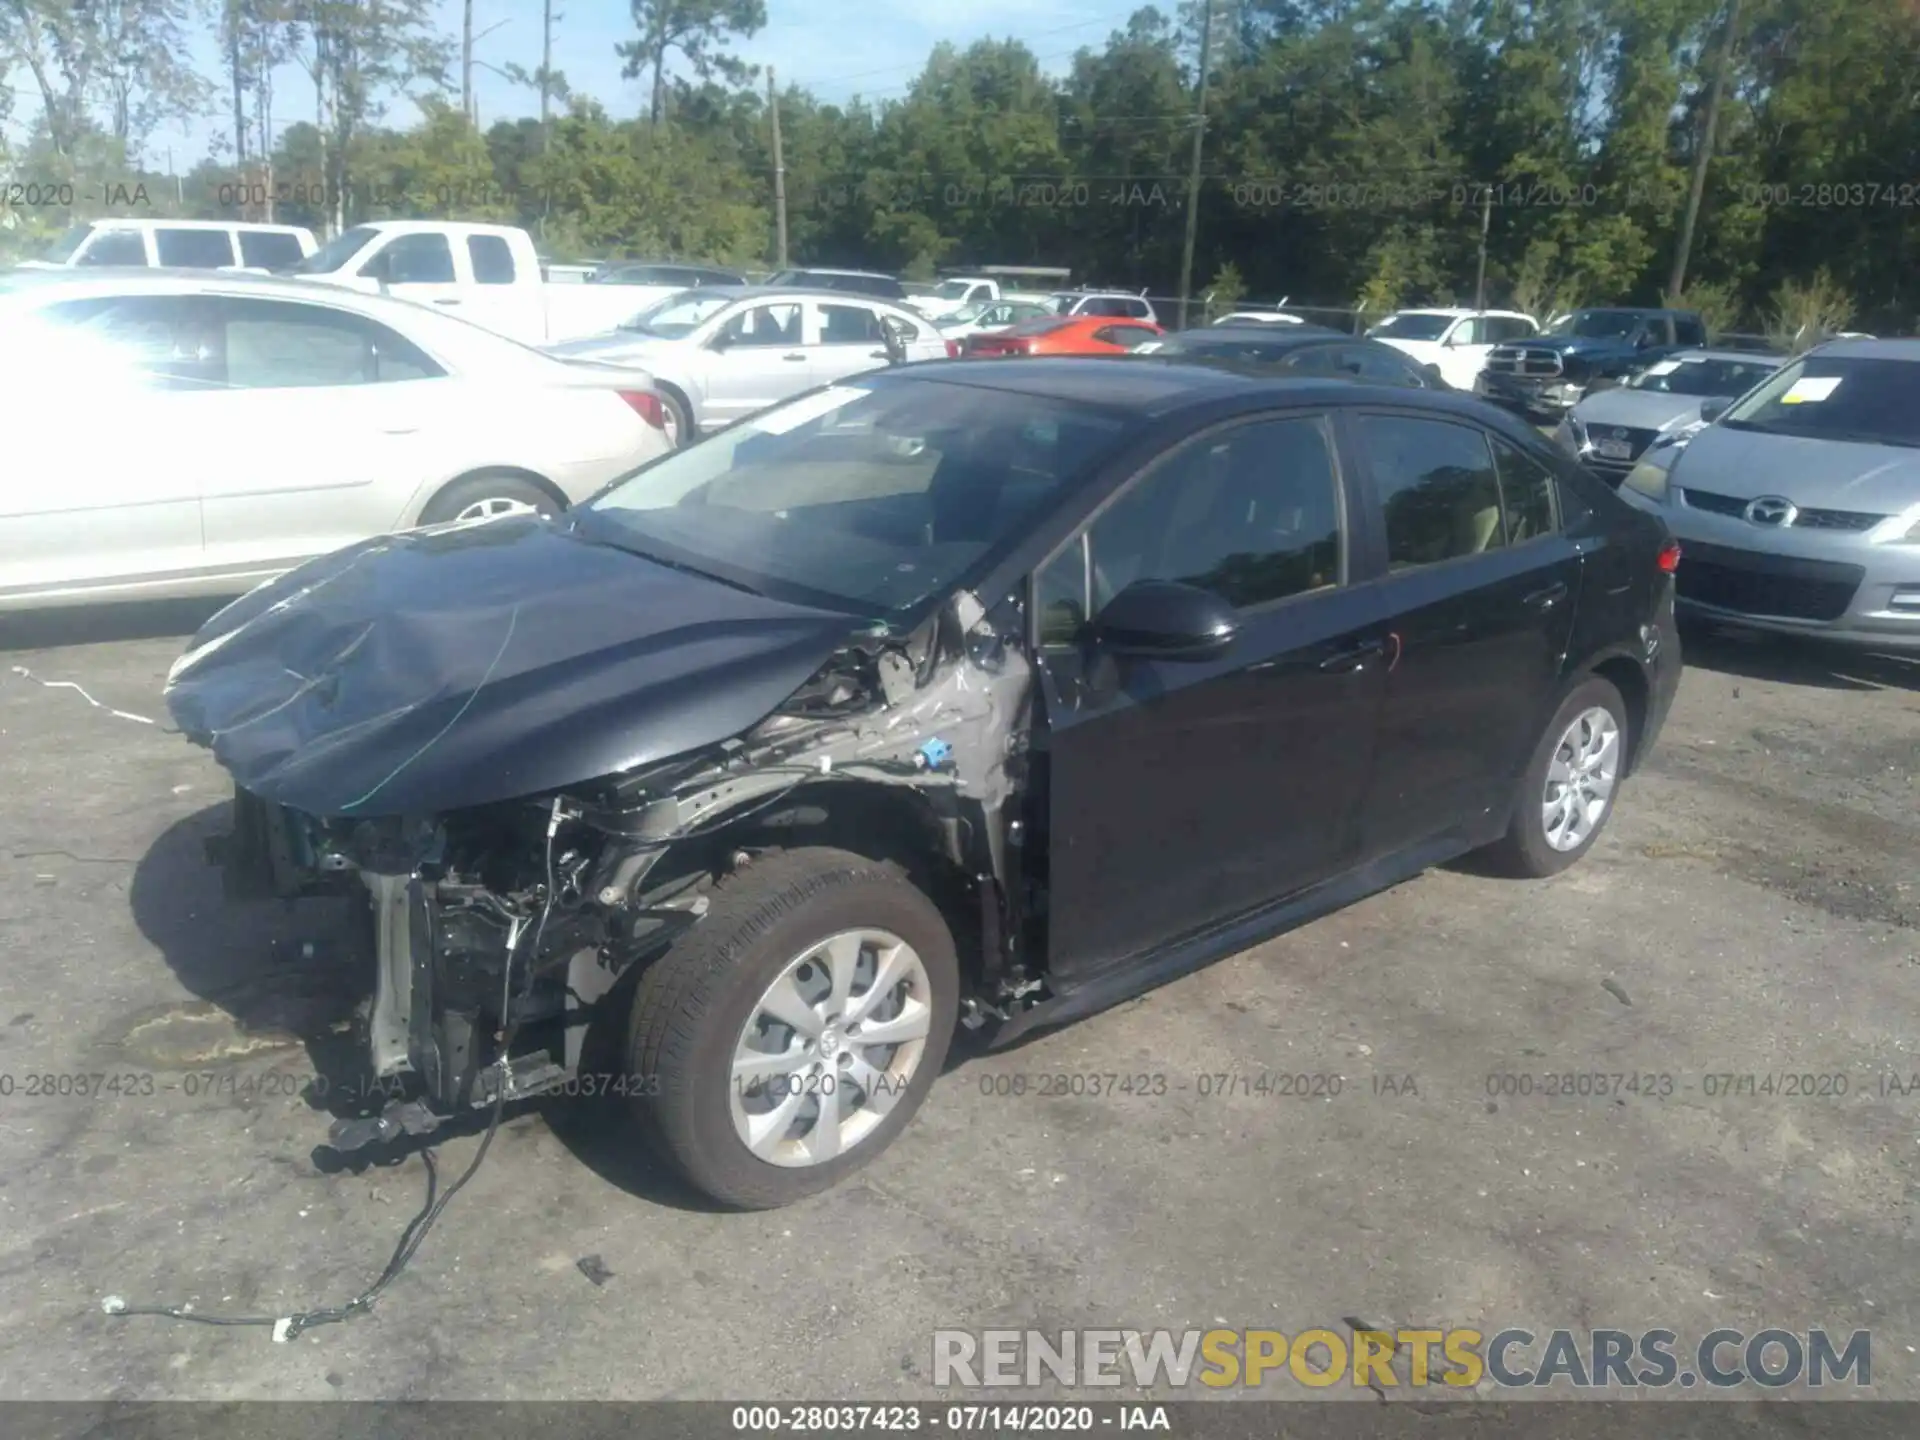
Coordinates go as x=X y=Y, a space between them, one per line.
x=837 y=48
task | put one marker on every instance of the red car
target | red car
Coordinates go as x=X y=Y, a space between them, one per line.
x=1064 y=335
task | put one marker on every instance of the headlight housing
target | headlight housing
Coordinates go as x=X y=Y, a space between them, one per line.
x=1902 y=529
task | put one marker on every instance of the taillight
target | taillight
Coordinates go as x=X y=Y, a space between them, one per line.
x=647 y=406
x=1669 y=560
x=953 y=349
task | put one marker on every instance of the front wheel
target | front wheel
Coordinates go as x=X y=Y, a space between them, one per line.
x=791 y=1035
x=488 y=496
x=1567 y=794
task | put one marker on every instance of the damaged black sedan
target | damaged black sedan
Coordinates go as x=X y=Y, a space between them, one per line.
x=982 y=694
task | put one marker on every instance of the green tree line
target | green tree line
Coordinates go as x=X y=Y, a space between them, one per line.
x=1354 y=152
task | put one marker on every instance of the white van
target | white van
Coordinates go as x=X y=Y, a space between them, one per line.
x=180 y=244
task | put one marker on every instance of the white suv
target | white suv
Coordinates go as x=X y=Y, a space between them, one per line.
x=1456 y=342
x=1116 y=303
x=180 y=244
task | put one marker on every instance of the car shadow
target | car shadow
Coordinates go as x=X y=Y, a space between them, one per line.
x=1794 y=660
x=103 y=624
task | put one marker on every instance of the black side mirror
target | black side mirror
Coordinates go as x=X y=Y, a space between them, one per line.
x=1712 y=410
x=1434 y=375
x=1161 y=620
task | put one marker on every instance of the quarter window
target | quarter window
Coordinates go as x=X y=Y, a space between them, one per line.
x=1252 y=514
x=1437 y=486
x=115 y=247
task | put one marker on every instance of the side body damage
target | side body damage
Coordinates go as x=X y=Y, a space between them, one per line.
x=501 y=925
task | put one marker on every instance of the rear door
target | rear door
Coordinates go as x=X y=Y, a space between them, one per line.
x=122 y=506
x=843 y=338
x=499 y=296
x=763 y=359
x=1183 y=793
x=333 y=419
x=1480 y=587
x=1463 y=353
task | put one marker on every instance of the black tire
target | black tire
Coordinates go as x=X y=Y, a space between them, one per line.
x=474 y=489
x=692 y=1004
x=680 y=423
x=1524 y=851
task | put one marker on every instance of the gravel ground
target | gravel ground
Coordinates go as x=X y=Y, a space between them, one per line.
x=1754 y=910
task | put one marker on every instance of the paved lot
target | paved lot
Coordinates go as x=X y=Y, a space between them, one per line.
x=1755 y=908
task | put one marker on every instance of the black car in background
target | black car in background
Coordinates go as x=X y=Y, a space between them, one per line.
x=1300 y=350
x=974 y=692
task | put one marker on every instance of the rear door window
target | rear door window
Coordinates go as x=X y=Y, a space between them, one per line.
x=1437 y=487
x=114 y=247
x=193 y=249
x=491 y=258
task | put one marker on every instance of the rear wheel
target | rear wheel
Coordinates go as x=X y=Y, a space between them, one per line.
x=1566 y=796
x=487 y=496
x=791 y=1036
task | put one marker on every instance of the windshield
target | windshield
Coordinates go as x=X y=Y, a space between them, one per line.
x=1412 y=327
x=1596 y=324
x=335 y=254
x=1837 y=397
x=869 y=497
x=62 y=249
x=1702 y=377
x=679 y=315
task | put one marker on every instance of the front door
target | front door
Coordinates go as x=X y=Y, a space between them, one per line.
x=330 y=419
x=1184 y=793
x=1463 y=353
x=418 y=266
x=1480 y=592
x=760 y=359
x=120 y=507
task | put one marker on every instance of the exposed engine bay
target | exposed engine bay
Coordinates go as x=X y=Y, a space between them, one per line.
x=498 y=928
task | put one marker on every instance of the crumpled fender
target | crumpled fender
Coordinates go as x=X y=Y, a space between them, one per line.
x=440 y=669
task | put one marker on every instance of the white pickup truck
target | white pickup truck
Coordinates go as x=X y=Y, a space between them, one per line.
x=489 y=274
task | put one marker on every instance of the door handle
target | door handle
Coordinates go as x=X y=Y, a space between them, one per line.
x=1354 y=657
x=1546 y=599
x=448 y=300
x=402 y=430
x=793 y=357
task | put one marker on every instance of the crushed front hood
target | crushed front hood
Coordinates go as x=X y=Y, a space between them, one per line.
x=440 y=669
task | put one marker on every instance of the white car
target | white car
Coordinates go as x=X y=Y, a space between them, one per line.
x=1259 y=317
x=717 y=356
x=187 y=434
x=178 y=244
x=1456 y=341
x=987 y=315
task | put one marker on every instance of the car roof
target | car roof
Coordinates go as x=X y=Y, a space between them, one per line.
x=164 y=280
x=828 y=270
x=1153 y=386
x=1457 y=312
x=1305 y=333
x=1908 y=350
x=1736 y=357
x=797 y=292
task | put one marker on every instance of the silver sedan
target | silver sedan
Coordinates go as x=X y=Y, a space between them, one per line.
x=717 y=356
x=1797 y=506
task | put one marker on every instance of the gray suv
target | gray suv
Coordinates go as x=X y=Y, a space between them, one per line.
x=1797 y=506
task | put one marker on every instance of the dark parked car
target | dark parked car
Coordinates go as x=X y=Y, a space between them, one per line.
x=1298 y=350
x=983 y=693
x=857 y=282
x=1541 y=379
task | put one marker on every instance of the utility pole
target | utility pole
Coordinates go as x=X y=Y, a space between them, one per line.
x=779 y=172
x=1193 y=172
x=1480 y=277
x=466 y=59
x=1678 y=279
x=546 y=69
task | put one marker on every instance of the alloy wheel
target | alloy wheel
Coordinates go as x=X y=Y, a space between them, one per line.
x=1580 y=779
x=493 y=507
x=830 y=1047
